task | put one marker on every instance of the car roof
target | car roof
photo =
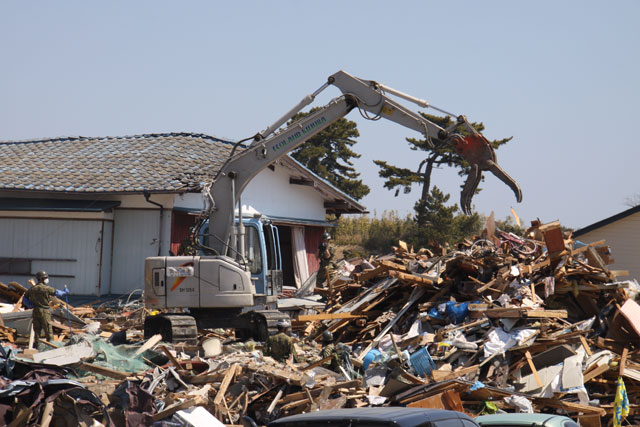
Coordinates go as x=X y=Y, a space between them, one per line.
x=401 y=416
x=522 y=419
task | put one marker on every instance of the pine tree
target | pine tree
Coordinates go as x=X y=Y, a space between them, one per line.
x=436 y=221
x=403 y=178
x=440 y=223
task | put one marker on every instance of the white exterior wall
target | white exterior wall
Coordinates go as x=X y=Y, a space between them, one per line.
x=271 y=194
x=61 y=247
x=623 y=236
x=188 y=201
x=135 y=238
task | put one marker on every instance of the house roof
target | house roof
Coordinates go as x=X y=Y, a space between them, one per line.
x=129 y=164
x=606 y=221
x=154 y=163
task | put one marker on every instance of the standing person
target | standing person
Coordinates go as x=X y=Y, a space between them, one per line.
x=280 y=346
x=188 y=246
x=40 y=297
x=329 y=349
x=325 y=255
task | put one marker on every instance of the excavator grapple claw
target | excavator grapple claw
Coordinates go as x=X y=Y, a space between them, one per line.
x=480 y=155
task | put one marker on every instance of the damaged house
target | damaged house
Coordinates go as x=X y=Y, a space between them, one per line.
x=89 y=210
x=622 y=232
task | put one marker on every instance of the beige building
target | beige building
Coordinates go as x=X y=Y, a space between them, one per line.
x=622 y=233
x=90 y=210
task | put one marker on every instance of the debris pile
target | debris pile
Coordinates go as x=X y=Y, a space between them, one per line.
x=537 y=324
x=501 y=323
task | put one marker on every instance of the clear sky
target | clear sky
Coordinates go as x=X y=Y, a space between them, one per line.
x=561 y=77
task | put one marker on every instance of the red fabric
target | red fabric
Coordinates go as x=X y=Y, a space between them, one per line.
x=180 y=223
x=312 y=239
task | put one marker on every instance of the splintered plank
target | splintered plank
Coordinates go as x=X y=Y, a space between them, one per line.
x=293 y=397
x=318 y=363
x=226 y=381
x=171 y=357
x=444 y=376
x=569 y=406
x=151 y=342
x=623 y=361
x=328 y=316
x=393 y=266
x=527 y=354
x=412 y=278
x=518 y=313
x=104 y=371
x=65 y=328
x=281 y=374
x=561 y=314
x=597 y=371
x=371 y=274
x=174 y=408
x=584 y=248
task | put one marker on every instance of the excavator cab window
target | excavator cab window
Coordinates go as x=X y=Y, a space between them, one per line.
x=272 y=242
x=253 y=252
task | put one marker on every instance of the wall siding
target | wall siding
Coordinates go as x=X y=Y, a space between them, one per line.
x=55 y=239
x=135 y=238
x=623 y=237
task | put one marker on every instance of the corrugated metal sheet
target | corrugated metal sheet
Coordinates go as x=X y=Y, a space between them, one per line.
x=135 y=238
x=60 y=247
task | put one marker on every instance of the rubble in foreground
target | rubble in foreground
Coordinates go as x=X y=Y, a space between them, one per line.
x=491 y=326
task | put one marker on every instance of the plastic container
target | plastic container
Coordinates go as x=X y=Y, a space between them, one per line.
x=422 y=362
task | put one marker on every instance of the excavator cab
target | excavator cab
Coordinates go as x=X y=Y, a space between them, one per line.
x=262 y=255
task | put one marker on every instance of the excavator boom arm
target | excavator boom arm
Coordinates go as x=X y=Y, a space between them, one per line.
x=373 y=102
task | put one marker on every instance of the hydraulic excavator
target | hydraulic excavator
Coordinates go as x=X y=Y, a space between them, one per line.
x=216 y=288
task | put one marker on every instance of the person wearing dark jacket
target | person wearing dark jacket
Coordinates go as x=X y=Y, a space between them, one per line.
x=325 y=256
x=39 y=297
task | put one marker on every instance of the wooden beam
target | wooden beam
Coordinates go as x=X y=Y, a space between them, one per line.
x=226 y=381
x=292 y=397
x=411 y=278
x=171 y=357
x=393 y=265
x=318 y=363
x=47 y=414
x=597 y=371
x=569 y=406
x=527 y=354
x=151 y=342
x=167 y=412
x=585 y=345
x=104 y=371
x=370 y=274
x=623 y=361
x=328 y=316
x=275 y=401
x=518 y=313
